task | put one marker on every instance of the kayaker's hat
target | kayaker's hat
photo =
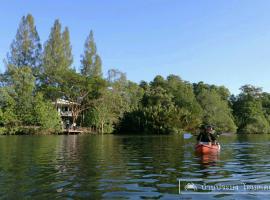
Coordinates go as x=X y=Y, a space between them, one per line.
x=208 y=128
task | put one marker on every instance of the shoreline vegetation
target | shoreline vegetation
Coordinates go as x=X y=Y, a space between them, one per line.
x=37 y=75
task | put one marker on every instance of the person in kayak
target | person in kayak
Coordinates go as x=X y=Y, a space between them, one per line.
x=207 y=135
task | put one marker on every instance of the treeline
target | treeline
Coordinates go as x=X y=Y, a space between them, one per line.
x=37 y=75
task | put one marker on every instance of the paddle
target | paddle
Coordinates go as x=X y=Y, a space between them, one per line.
x=187 y=135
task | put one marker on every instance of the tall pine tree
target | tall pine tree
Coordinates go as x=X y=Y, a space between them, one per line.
x=25 y=49
x=57 y=60
x=91 y=61
x=57 y=50
x=67 y=48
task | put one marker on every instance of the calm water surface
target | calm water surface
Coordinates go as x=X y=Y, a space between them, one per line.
x=128 y=167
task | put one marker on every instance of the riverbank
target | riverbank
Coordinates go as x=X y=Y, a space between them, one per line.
x=36 y=130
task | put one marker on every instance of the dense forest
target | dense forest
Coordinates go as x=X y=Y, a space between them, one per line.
x=37 y=75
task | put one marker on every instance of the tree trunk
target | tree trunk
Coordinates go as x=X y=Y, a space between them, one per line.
x=102 y=127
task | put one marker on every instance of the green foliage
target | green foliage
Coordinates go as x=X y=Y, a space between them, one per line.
x=133 y=95
x=251 y=110
x=91 y=62
x=109 y=107
x=158 y=110
x=57 y=59
x=266 y=105
x=257 y=124
x=1 y=117
x=67 y=49
x=57 y=51
x=183 y=110
x=20 y=107
x=158 y=113
x=26 y=49
x=3 y=130
x=216 y=110
x=8 y=119
x=185 y=99
x=46 y=116
x=23 y=83
x=102 y=115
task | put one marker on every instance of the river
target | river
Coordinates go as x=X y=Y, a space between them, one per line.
x=132 y=167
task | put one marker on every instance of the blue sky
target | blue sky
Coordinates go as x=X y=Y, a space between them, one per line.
x=224 y=42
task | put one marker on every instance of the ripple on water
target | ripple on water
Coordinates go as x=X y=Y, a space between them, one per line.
x=138 y=171
x=148 y=167
x=132 y=195
x=143 y=180
x=134 y=164
x=112 y=167
x=136 y=187
x=110 y=181
x=147 y=157
x=170 y=169
x=155 y=175
x=167 y=185
x=60 y=185
x=190 y=174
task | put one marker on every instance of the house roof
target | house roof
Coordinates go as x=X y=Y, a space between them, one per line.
x=64 y=102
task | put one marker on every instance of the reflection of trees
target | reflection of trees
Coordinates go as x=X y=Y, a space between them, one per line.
x=26 y=165
x=91 y=166
x=153 y=160
x=252 y=152
x=99 y=163
x=111 y=163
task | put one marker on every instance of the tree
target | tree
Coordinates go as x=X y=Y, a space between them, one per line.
x=250 y=110
x=9 y=119
x=23 y=85
x=67 y=48
x=160 y=114
x=81 y=92
x=251 y=90
x=134 y=94
x=21 y=107
x=77 y=90
x=102 y=114
x=1 y=117
x=57 y=51
x=118 y=98
x=46 y=116
x=91 y=61
x=266 y=105
x=184 y=98
x=166 y=106
x=157 y=113
x=144 y=85
x=216 y=111
x=223 y=92
x=57 y=59
x=25 y=50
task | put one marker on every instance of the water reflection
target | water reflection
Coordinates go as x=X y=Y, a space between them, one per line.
x=207 y=160
x=125 y=167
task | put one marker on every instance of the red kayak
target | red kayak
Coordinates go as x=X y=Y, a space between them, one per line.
x=207 y=148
